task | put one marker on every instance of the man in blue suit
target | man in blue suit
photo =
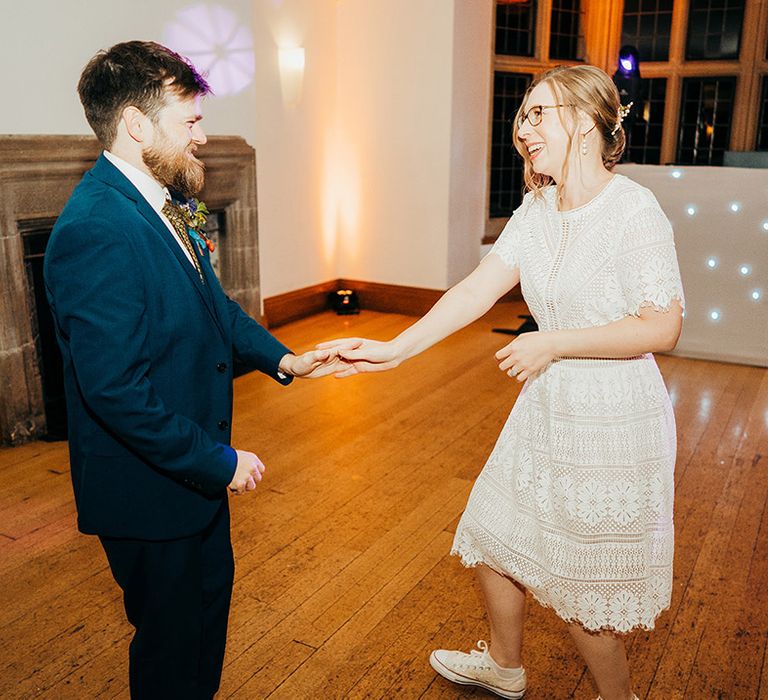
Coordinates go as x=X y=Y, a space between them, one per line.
x=148 y=338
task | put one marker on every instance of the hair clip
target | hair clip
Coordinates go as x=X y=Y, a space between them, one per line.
x=623 y=112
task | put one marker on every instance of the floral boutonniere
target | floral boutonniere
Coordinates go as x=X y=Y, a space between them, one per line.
x=195 y=214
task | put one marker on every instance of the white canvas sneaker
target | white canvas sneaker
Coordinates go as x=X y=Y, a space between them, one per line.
x=476 y=668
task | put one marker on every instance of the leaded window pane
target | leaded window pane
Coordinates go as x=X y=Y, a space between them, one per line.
x=565 y=39
x=647 y=25
x=644 y=136
x=506 y=189
x=706 y=112
x=714 y=29
x=516 y=28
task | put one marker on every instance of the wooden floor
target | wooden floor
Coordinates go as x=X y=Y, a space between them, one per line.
x=344 y=583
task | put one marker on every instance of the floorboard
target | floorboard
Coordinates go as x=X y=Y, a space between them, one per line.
x=344 y=579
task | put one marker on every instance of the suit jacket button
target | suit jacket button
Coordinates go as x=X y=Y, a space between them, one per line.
x=222 y=367
x=223 y=425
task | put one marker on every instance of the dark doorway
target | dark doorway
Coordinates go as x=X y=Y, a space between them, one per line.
x=35 y=235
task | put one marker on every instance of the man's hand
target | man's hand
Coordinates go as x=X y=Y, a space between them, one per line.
x=248 y=471
x=313 y=364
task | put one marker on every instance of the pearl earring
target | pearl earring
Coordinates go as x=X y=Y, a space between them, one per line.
x=583 y=144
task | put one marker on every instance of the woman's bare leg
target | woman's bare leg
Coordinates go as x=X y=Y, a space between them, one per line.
x=607 y=660
x=505 y=603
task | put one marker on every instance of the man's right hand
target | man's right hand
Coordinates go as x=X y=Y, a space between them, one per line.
x=248 y=471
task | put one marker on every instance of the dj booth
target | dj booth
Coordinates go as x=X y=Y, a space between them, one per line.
x=720 y=219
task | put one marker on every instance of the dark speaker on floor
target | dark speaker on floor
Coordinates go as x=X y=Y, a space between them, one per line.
x=344 y=301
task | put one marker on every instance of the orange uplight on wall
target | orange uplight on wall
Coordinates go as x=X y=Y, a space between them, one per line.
x=341 y=197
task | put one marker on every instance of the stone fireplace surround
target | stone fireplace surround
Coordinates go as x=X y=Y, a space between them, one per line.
x=37 y=175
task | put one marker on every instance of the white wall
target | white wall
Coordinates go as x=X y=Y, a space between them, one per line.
x=394 y=106
x=296 y=247
x=413 y=103
x=378 y=173
x=46 y=44
x=470 y=135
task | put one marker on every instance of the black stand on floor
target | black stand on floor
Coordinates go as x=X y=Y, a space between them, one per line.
x=528 y=326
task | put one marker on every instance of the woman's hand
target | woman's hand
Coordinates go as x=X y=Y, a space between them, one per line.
x=364 y=355
x=527 y=354
x=313 y=364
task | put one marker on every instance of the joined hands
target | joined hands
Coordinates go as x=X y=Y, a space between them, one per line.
x=314 y=363
x=359 y=355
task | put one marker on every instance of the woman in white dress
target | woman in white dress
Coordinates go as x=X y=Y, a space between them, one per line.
x=575 y=502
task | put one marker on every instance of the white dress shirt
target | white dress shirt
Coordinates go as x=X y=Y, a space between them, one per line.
x=151 y=190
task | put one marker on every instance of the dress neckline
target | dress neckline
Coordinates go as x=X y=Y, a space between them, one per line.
x=582 y=207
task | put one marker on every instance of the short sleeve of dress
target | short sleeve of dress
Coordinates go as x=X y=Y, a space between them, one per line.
x=507 y=245
x=647 y=260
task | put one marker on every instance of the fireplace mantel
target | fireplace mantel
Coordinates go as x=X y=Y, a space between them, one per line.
x=37 y=175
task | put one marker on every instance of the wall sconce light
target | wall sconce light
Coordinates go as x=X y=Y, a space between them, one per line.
x=291 y=74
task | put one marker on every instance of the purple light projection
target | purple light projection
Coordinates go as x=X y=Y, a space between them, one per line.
x=211 y=37
x=627 y=64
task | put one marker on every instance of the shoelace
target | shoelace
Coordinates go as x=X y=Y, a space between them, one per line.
x=482 y=653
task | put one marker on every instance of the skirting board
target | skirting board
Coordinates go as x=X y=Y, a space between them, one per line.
x=374 y=296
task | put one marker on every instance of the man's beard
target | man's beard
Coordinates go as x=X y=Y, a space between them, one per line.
x=173 y=167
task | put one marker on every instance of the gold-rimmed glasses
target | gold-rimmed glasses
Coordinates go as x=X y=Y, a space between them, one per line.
x=535 y=114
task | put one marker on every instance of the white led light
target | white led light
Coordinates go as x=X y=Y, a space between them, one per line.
x=756 y=294
x=734 y=206
x=714 y=315
x=690 y=210
x=765 y=225
x=711 y=263
x=745 y=270
x=677 y=174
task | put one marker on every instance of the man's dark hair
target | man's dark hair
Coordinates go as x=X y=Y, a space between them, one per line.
x=134 y=73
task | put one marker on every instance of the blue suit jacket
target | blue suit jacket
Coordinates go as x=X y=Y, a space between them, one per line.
x=147 y=352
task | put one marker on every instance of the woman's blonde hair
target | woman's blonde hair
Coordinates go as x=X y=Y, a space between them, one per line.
x=580 y=88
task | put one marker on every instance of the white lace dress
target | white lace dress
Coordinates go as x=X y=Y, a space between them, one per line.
x=575 y=501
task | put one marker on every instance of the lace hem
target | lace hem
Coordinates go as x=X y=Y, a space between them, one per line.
x=470 y=557
x=661 y=308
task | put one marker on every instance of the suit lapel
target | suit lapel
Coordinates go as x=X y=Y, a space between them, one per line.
x=110 y=175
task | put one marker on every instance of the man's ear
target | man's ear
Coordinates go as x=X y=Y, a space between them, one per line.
x=137 y=124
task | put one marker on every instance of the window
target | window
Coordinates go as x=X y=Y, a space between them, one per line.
x=506 y=163
x=688 y=114
x=515 y=28
x=644 y=136
x=565 y=40
x=762 y=127
x=714 y=29
x=705 y=120
x=647 y=25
